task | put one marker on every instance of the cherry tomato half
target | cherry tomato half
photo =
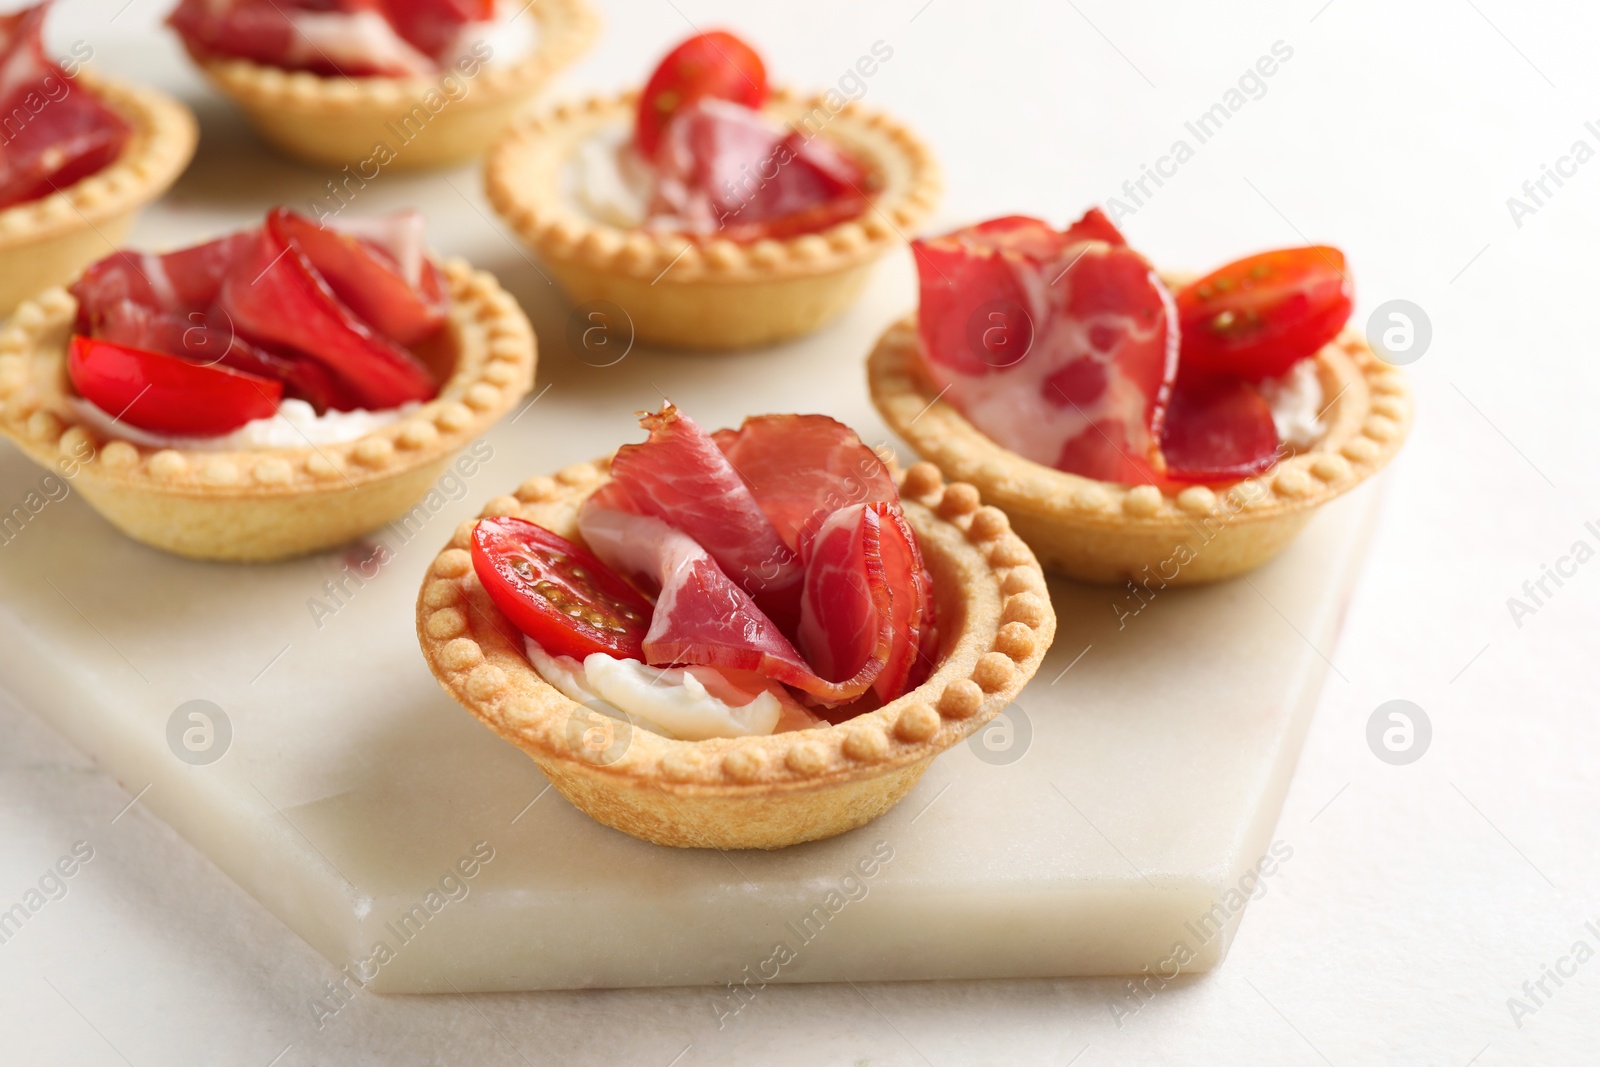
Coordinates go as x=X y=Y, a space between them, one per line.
x=714 y=64
x=1260 y=315
x=558 y=593
x=165 y=394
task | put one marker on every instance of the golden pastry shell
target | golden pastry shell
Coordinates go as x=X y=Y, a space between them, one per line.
x=717 y=293
x=339 y=120
x=265 y=503
x=1105 y=532
x=48 y=241
x=753 y=792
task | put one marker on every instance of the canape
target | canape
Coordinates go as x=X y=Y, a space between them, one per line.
x=269 y=393
x=399 y=84
x=82 y=156
x=707 y=657
x=717 y=213
x=1136 y=428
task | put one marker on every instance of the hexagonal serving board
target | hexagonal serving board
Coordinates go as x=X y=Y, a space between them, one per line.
x=1099 y=824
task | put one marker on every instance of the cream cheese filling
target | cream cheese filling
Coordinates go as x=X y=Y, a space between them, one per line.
x=607 y=181
x=675 y=701
x=1296 y=402
x=512 y=35
x=296 y=424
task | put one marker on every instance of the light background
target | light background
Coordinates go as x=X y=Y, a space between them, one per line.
x=1419 y=898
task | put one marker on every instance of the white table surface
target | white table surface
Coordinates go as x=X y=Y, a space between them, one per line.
x=1419 y=898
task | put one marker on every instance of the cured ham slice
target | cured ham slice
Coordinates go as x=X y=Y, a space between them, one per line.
x=274 y=294
x=177 y=282
x=796 y=488
x=855 y=598
x=681 y=476
x=403 y=301
x=725 y=169
x=54 y=133
x=846 y=622
x=399 y=234
x=911 y=614
x=801 y=468
x=205 y=341
x=435 y=27
x=701 y=617
x=1061 y=347
x=807 y=471
x=324 y=311
x=867 y=598
x=1217 y=430
x=163 y=303
x=356 y=38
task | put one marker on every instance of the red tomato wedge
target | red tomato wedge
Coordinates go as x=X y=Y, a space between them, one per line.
x=369 y=281
x=165 y=394
x=715 y=64
x=1260 y=315
x=558 y=593
x=1217 y=430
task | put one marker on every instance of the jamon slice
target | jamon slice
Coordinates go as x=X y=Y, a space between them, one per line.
x=434 y=27
x=680 y=476
x=177 y=282
x=398 y=233
x=1061 y=347
x=846 y=624
x=323 y=310
x=911 y=614
x=866 y=597
x=406 y=303
x=204 y=340
x=164 y=303
x=701 y=617
x=802 y=468
x=725 y=169
x=356 y=38
x=51 y=139
x=1217 y=430
x=274 y=295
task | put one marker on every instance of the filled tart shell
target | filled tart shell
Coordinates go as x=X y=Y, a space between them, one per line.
x=995 y=624
x=1104 y=532
x=266 y=504
x=338 y=121
x=709 y=293
x=48 y=241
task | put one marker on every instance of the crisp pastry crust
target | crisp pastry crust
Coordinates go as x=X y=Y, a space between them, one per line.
x=340 y=121
x=1104 y=532
x=266 y=504
x=48 y=241
x=715 y=294
x=995 y=624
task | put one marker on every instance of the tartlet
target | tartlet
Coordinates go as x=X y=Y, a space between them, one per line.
x=715 y=294
x=1099 y=531
x=338 y=120
x=48 y=241
x=267 y=504
x=765 y=792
